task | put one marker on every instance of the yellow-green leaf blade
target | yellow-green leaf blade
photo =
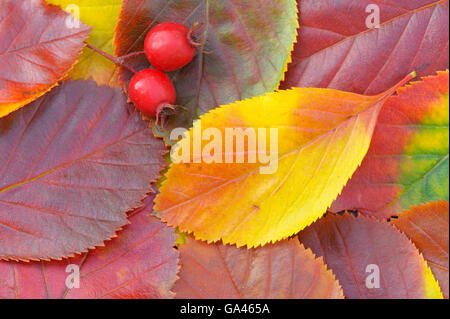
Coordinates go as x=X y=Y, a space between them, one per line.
x=102 y=16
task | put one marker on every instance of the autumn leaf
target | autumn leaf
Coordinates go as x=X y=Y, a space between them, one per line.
x=427 y=227
x=37 y=49
x=364 y=252
x=102 y=16
x=337 y=50
x=249 y=43
x=323 y=136
x=407 y=163
x=285 y=270
x=71 y=165
x=140 y=263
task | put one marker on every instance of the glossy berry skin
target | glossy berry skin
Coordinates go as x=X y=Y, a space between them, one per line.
x=151 y=91
x=168 y=46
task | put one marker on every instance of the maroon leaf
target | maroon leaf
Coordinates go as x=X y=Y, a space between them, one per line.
x=337 y=50
x=283 y=270
x=364 y=252
x=140 y=263
x=71 y=165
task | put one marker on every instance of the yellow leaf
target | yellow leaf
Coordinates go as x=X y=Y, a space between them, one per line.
x=323 y=135
x=102 y=16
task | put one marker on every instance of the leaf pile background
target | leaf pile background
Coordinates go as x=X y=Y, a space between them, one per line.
x=362 y=179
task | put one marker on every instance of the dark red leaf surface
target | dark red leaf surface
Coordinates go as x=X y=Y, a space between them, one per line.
x=336 y=50
x=349 y=244
x=283 y=270
x=71 y=165
x=37 y=49
x=140 y=263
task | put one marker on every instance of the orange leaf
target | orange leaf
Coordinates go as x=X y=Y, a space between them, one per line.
x=280 y=271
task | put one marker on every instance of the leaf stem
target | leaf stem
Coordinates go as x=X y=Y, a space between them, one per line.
x=115 y=60
x=403 y=82
x=124 y=57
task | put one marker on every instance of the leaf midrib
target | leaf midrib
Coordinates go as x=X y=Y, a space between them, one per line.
x=282 y=157
x=64 y=165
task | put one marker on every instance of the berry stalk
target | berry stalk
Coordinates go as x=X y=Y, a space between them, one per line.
x=115 y=60
x=133 y=54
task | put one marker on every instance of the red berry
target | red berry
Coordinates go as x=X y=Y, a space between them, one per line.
x=152 y=91
x=168 y=47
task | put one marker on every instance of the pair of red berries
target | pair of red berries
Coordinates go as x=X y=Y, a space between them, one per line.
x=168 y=47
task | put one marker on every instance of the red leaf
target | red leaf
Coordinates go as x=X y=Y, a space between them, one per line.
x=427 y=227
x=37 y=49
x=140 y=263
x=349 y=245
x=71 y=165
x=283 y=270
x=336 y=49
